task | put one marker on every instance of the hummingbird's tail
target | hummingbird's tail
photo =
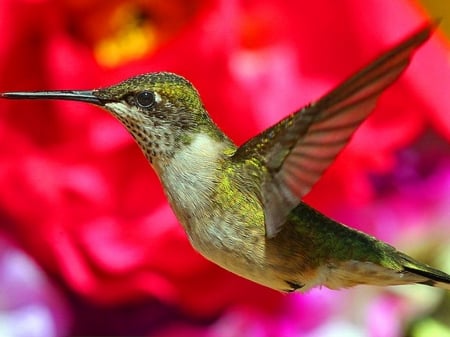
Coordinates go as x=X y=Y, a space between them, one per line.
x=353 y=257
x=398 y=269
x=432 y=276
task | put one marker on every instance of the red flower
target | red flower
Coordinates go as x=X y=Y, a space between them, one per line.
x=83 y=200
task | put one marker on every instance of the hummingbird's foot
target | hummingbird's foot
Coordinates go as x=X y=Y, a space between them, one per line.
x=293 y=286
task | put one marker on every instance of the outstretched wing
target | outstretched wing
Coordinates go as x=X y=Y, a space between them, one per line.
x=297 y=150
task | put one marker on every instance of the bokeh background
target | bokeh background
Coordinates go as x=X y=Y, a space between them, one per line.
x=88 y=244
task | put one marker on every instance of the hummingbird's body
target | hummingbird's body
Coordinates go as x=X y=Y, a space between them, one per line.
x=218 y=206
x=241 y=206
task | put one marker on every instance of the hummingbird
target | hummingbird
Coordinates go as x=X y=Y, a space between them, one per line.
x=241 y=207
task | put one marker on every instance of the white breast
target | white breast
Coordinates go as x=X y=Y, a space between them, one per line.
x=191 y=175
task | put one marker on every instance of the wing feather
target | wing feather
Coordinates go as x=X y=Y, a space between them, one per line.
x=297 y=150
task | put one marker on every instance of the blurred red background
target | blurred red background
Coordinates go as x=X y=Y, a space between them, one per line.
x=78 y=197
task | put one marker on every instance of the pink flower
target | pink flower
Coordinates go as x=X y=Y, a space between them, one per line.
x=30 y=305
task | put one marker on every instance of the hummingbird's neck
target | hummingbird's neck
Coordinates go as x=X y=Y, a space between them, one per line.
x=190 y=176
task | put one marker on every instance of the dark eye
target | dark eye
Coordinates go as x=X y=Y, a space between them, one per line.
x=145 y=99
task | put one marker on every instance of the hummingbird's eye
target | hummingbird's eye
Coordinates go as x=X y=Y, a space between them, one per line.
x=145 y=99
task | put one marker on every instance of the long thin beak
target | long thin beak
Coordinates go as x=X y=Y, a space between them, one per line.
x=70 y=95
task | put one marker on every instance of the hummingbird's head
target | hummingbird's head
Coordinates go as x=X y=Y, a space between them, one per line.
x=162 y=111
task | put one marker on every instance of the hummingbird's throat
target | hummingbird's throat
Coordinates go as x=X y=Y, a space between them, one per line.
x=155 y=137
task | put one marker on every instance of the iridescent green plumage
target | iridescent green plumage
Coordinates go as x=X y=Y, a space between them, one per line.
x=241 y=206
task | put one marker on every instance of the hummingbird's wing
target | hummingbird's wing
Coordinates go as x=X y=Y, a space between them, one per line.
x=297 y=150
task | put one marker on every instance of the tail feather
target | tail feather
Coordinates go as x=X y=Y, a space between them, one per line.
x=406 y=270
x=433 y=277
